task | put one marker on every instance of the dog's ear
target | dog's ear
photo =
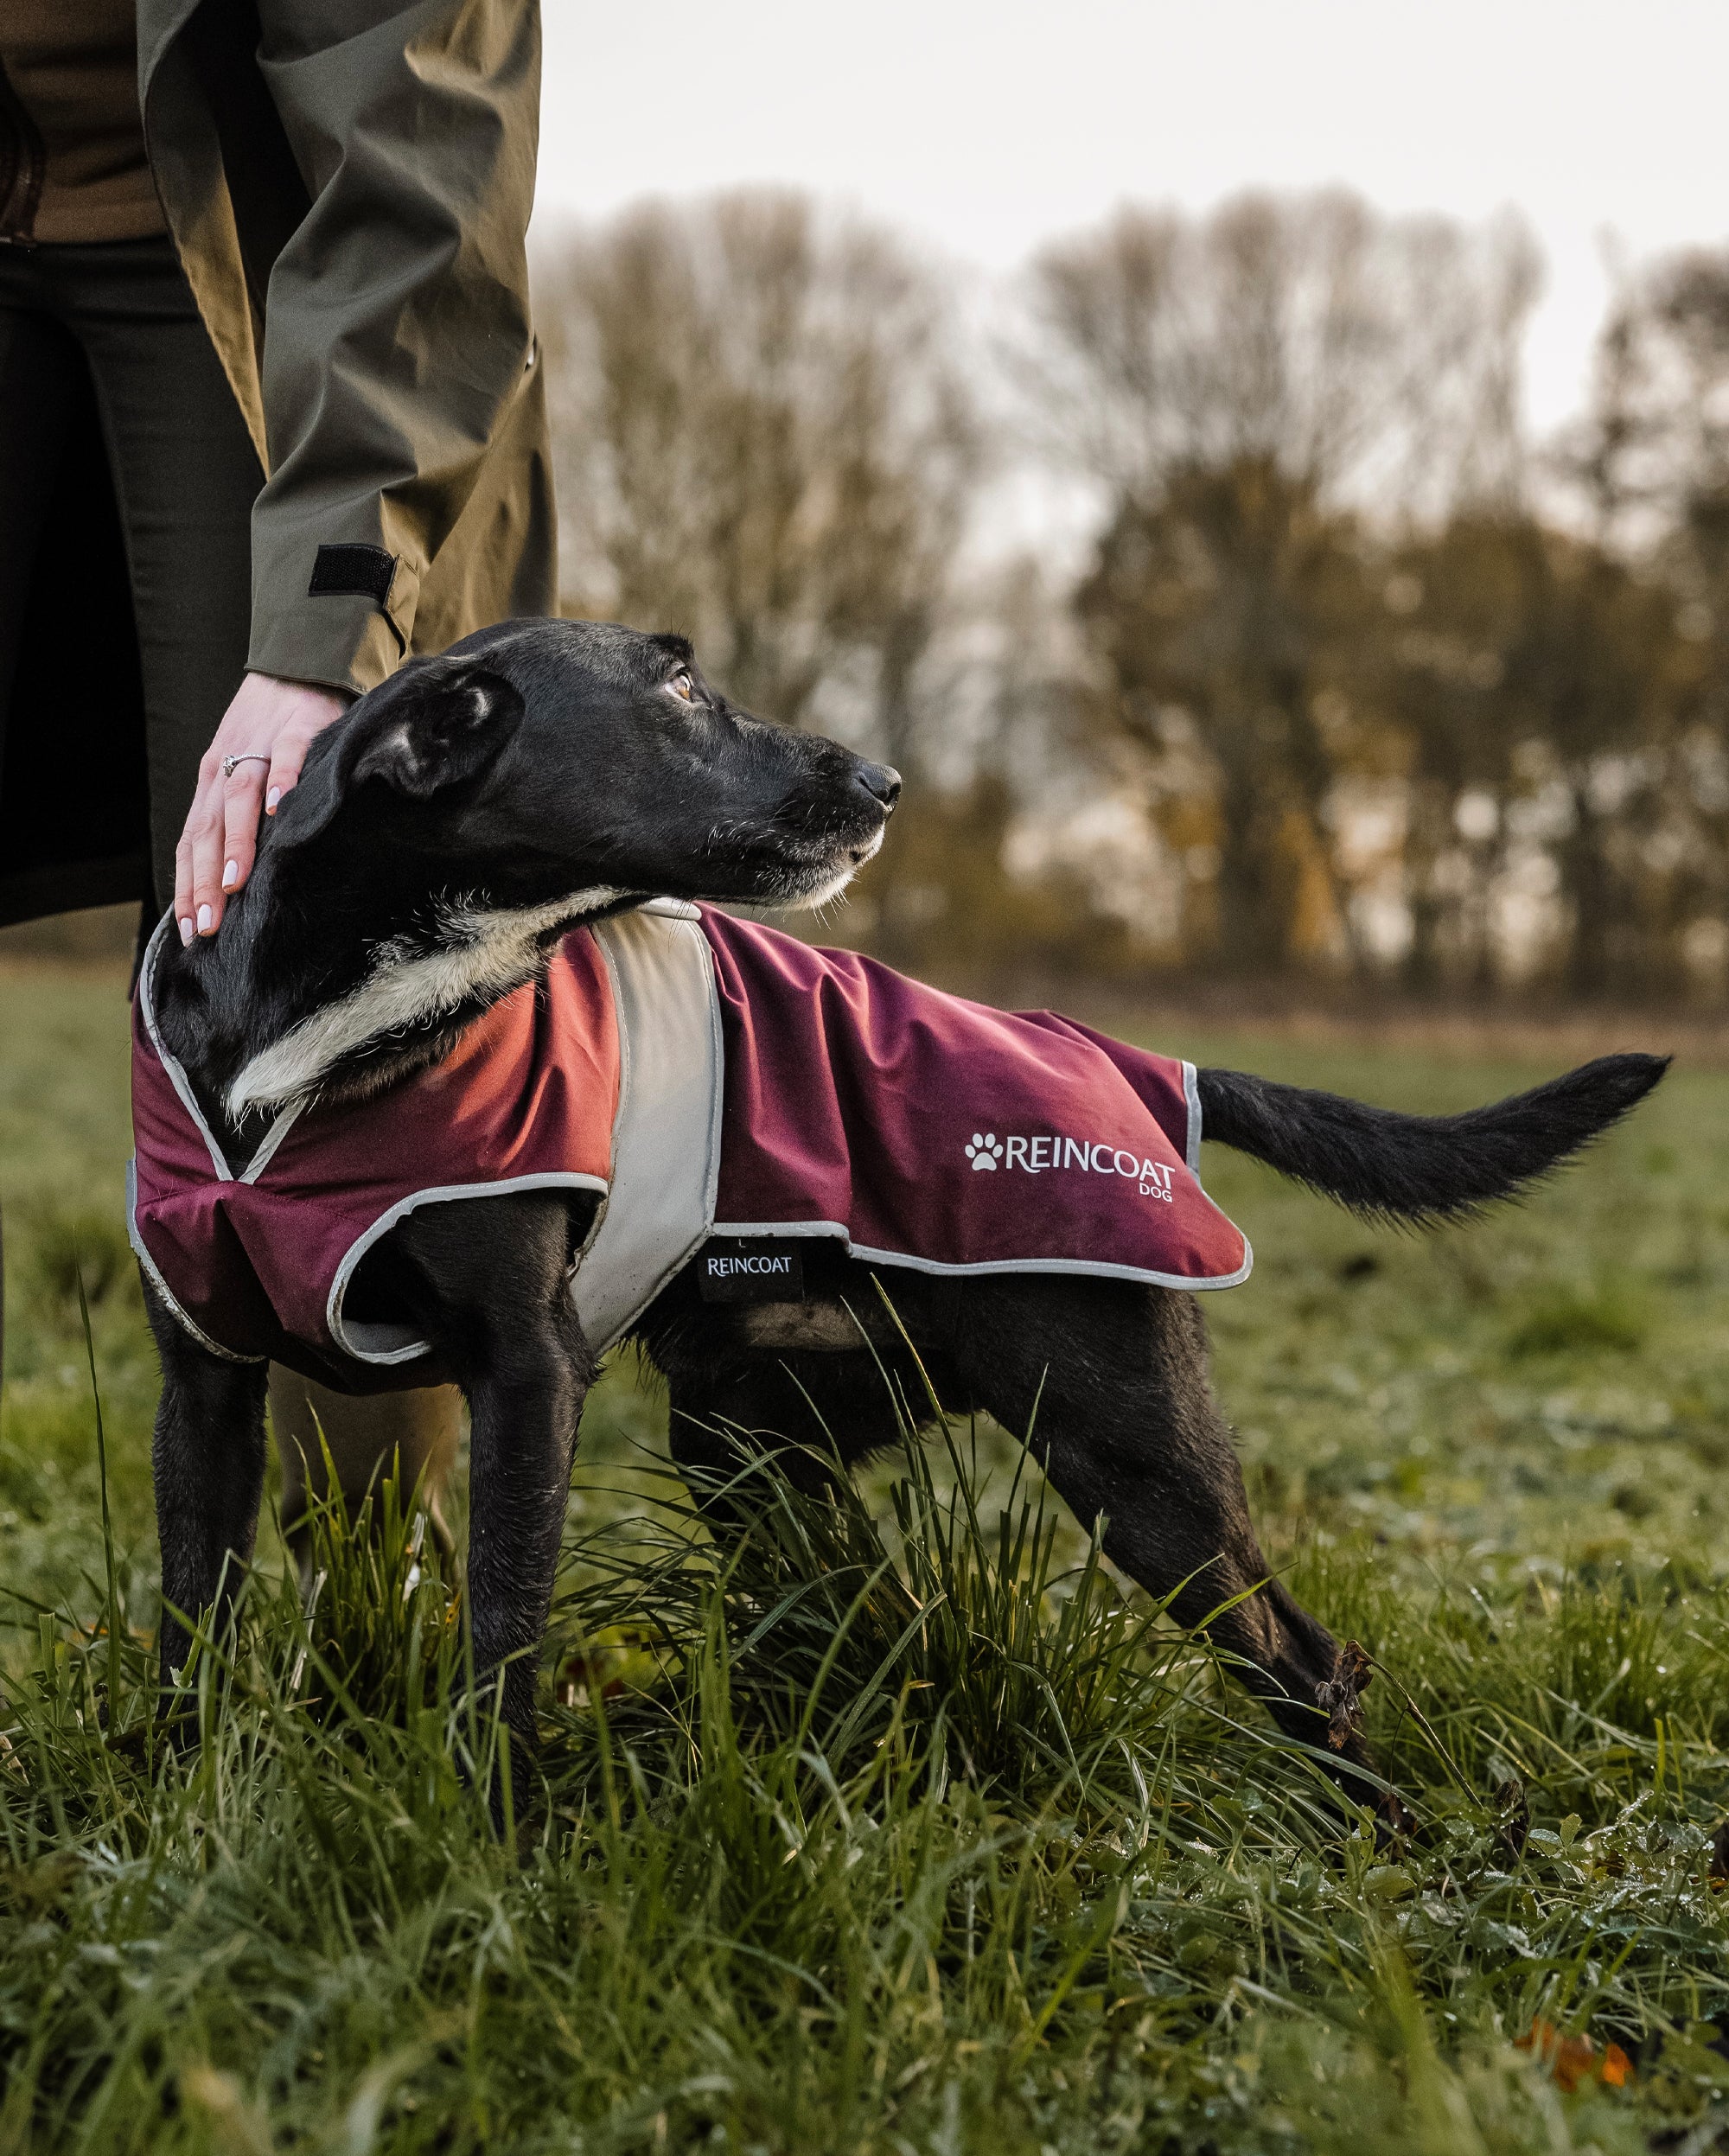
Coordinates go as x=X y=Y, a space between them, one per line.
x=435 y=723
x=438 y=732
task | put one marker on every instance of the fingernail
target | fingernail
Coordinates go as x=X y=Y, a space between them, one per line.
x=186 y=928
x=271 y=799
x=231 y=876
x=204 y=921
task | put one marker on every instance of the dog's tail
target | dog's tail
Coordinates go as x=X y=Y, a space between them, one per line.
x=1422 y=1168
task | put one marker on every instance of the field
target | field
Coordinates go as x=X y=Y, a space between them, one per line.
x=909 y=1832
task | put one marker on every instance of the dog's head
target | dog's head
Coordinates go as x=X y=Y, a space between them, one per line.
x=540 y=758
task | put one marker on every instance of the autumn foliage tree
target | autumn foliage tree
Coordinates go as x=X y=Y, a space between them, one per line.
x=1244 y=389
x=766 y=442
x=1391 y=697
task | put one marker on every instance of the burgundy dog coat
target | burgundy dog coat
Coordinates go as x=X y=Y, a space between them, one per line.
x=704 y=1076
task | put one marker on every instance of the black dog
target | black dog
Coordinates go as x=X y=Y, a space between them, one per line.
x=444 y=840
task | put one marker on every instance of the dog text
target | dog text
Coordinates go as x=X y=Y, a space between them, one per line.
x=1047 y=1151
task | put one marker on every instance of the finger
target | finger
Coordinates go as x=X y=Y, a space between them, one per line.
x=241 y=797
x=183 y=911
x=206 y=803
x=206 y=833
x=285 y=768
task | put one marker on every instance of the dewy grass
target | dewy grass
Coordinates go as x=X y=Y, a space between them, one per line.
x=864 y=1833
x=899 y=1828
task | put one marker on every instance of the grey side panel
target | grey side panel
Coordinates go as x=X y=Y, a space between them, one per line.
x=666 y=1141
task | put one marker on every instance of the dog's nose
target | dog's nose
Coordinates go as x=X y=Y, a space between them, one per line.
x=882 y=782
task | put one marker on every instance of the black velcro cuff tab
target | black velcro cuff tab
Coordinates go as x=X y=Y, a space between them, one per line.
x=367 y=571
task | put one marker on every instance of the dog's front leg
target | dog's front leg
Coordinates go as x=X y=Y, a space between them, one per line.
x=208 y=1461
x=523 y=1419
x=489 y=1278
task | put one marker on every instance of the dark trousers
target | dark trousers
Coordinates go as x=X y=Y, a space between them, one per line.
x=126 y=484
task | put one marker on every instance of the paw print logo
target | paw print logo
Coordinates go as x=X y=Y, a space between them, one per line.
x=985 y=1150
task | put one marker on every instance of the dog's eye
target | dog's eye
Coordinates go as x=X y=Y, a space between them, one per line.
x=681 y=685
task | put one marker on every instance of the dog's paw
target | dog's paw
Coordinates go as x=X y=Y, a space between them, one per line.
x=985 y=1149
x=1341 y=1698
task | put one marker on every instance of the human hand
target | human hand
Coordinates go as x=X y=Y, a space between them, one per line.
x=270 y=724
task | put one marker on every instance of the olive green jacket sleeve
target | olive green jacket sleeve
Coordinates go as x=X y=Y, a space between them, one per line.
x=354 y=229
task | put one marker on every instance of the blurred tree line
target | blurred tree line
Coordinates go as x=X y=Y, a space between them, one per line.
x=1316 y=665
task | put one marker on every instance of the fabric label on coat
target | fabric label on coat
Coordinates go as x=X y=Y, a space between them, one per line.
x=730 y=1269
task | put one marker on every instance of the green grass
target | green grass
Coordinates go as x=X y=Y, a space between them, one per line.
x=906 y=1830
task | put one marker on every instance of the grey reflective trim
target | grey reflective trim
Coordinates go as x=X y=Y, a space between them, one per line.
x=183 y=1085
x=781 y=1228
x=135 y=1236
x=666 y=1139
x=177 y=1077
x=1191 y=1094
x=1092 y=1268
x=395 y=1343
x=285 y=1121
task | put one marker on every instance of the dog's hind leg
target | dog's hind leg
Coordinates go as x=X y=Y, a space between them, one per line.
x=209 y=1459
x=1111 y=1380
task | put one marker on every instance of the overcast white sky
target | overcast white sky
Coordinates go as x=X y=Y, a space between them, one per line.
x=988 y=126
